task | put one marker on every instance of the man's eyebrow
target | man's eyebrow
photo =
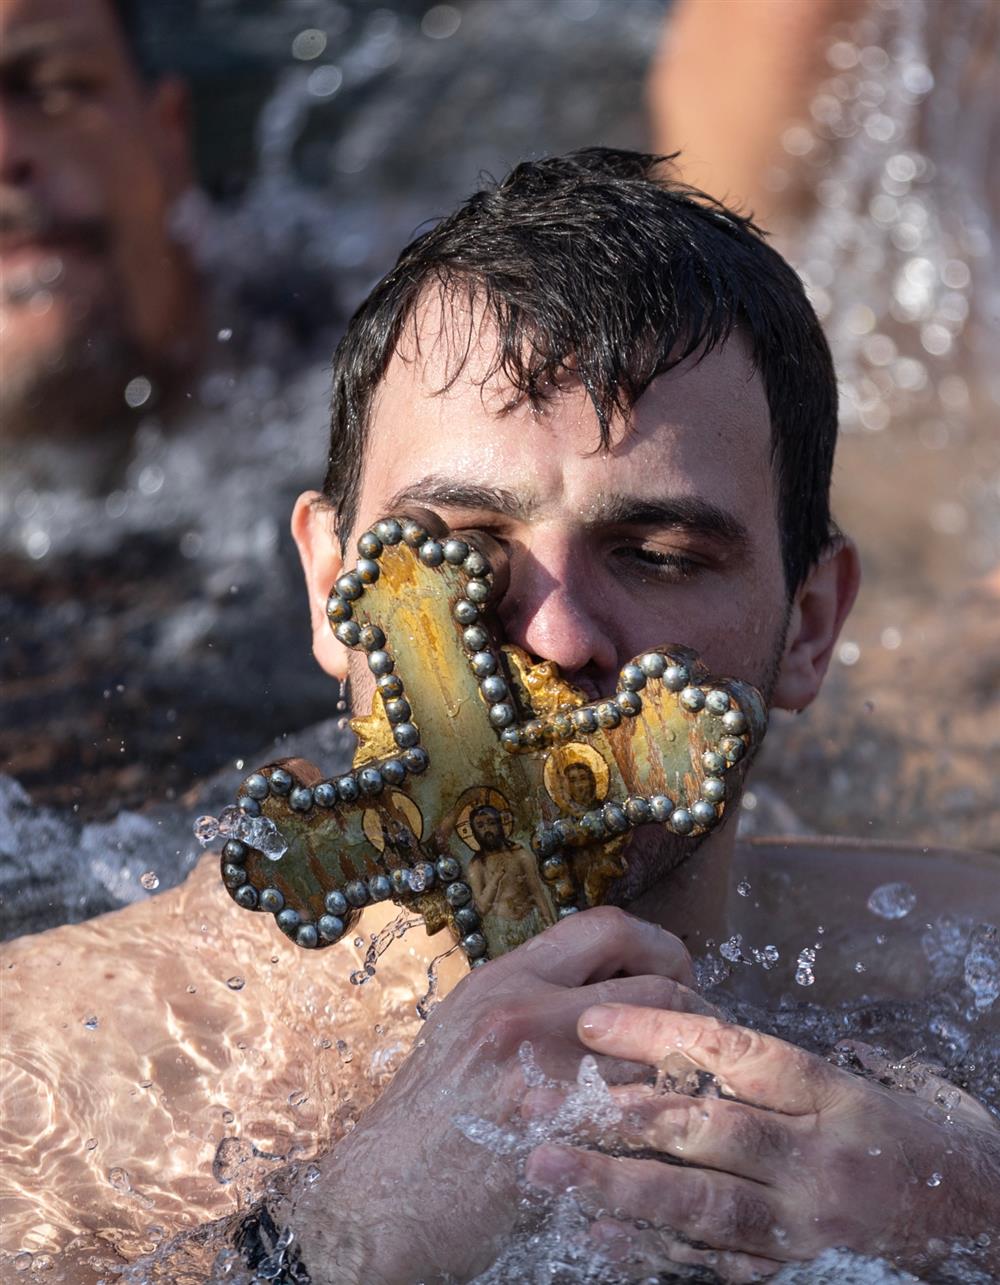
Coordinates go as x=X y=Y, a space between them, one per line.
x=46 y=38
x=678 y=513
x=446 y=493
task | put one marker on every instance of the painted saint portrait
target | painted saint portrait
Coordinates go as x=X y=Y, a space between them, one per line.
x=504 y=876
x=576 y=778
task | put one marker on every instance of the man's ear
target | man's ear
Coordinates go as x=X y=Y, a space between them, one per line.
x=819 y=610
x=170 y=107
x=314 y=529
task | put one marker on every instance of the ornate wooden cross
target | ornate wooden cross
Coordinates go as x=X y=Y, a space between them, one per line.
x=487 y=793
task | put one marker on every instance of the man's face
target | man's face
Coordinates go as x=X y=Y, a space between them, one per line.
x=487 y=829
x=671 y=537
x=580 y=784
x=90 y=160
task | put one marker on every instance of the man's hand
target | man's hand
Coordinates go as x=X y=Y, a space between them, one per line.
x=406 y=1196
x=798 y=1157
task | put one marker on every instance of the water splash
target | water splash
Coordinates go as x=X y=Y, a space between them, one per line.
x=380 y=942
x=892 y=900
x=233 y=823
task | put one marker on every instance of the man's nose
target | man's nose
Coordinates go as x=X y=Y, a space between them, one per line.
x=553 y=608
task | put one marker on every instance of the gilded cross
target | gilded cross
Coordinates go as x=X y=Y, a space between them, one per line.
x=486 y=792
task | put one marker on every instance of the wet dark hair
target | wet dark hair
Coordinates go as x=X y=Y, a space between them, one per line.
x=602 y=261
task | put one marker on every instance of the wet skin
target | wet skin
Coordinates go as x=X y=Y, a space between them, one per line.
x=670 y=536
x=91 y=160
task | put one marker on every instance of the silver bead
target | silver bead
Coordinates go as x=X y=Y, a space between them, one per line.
x=301 y=799
x=370 y=780
x=584 y=719
x=246 y=896
x=566 y=831
x=544 y=841
x=398 y=711
x=554 y=868
x=356 y=893
x=325 y=794
x=369 y=545
x=348 y=633
x=416 y=760
x=289 y=920
x=249 y=807
x=692 y=698
x=474 y=945
x=562 y=726
x=422 y=876
x=234 y=850
x=367 y=570
x=735 y=722
x=675 y=677
x=233 y=876
x=413 y=533
x=638 y=811
x=510 y=739
x=716 y=701
x=465 y=612
x=608 y=714
x=703 y=812
x=477 y=591
x=713 y=789
x=448 y=869
x=272 y=900
x=256 y=786
x=593 y=824
x=466 y=919
x=733 y=748
x=405 y=735
x=379 y=887
x=712 y=761
x=371 y=637
x=393 y=772
x=681 y=821
x=431 y=553
x=455 y=552
x=502 y=714
x=533 y=732
x=475 y=638
x=652 y=664
x=281 y=781
x=483 y=664
x=307 y=936
x=390 y=687
x=330 y=927
x=615 y=819
x=475 y=564
x=632 y=678
x=380 y=662
x=349 y=586
x=458 y=893
x=630 y=703
x=661 y=807
x=336 y=903
x=389 y=531
x=337 y=609
x=494 y=688
x=347 y=788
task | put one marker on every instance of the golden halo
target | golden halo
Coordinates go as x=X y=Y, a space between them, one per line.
x=481 y=796
x=560 y=759
x=371 y=821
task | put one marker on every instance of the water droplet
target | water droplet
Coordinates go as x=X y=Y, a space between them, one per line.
x=137 y=391
x=225 y=334
x=90 y=1144
x=120 y=1179
x=150 y=880
x=859 y=967
x=804 y=974
x=948 y=1098
x=934 y=1180
x=982 y=966
x=874 y=1151
x=206 y=829
x=298 y=1098
x=23 y=1261
x=228 y=1116
x=744 y=888
x=192 y=990
x=892 y=900
x=345 y=1053
x=91 y=1023
x=312 y=1175
x=235 y=983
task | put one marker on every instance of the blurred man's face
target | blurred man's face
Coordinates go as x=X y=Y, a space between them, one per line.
x=487 y=829
x=92 y=290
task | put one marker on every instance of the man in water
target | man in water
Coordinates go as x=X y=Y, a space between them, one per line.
x=625 y=387
x=96 y=291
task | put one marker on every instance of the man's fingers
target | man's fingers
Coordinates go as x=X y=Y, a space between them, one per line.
x=642 y=1252
x=756 y=1068
x=712 y=1133
x=715 y=1209
x=595 y=945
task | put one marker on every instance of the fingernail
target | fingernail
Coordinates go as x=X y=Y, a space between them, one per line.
x=598 y=1022
x=551 y=1167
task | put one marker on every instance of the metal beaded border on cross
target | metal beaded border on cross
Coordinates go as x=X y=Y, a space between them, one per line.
x=432 y=882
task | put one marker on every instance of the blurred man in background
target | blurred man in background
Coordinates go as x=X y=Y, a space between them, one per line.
x=95 y=291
